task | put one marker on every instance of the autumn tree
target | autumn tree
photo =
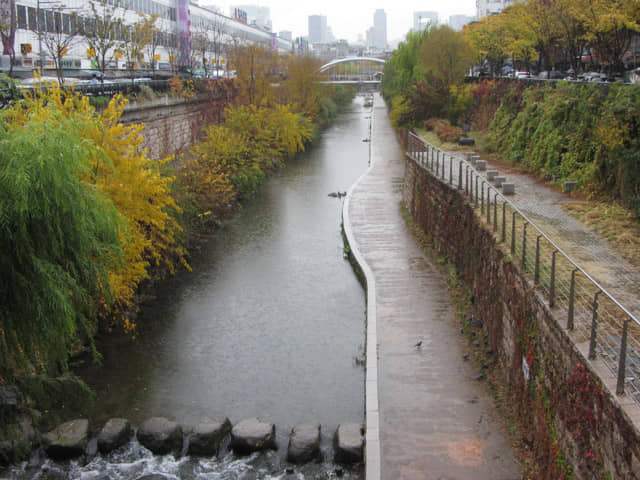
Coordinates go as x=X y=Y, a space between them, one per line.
x=254 y=65
x=138 y=36
x=301 y=88
x=201 y=43
x=609 y=26
x=58 y=35
x=103 y=29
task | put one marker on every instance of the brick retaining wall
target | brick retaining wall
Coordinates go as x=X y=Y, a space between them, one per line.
x=568 y=417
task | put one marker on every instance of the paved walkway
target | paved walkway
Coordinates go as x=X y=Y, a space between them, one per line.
x=427 y=415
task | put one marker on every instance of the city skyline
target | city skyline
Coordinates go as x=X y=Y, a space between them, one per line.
x=353 y=19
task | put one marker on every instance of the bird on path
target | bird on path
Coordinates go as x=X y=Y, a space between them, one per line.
x=419 y=344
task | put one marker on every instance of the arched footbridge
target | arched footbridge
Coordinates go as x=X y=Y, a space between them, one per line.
x=353 y=70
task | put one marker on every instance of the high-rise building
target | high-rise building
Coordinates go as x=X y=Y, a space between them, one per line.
x=318 y=29
x=380 y=29
x=257 y=15
x=458 y=21
x=423 y=19
x=491 y=7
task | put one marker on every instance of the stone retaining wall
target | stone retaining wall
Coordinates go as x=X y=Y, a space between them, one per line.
x=569 y=418
x=172 y=125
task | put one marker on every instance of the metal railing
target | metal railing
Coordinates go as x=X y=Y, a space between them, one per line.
x=592 y=314
x=91 y=89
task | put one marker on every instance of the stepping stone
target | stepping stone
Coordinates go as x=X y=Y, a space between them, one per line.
x=67 y=440
x=252 y=435
x=466 y=141
x=115 y=433
x=206 y=436
x=304 y=443
x=481 y=165
x=160 y=435
x=499 y=180
x=508 y=189
x=492 y=174
x=349 y=443
x=474 y=159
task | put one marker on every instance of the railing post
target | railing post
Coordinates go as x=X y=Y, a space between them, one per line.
x=513 y=233
x=536 y=275
x=572 y=299
x=450 y=169
x=444 y=175
x=524 y=247
x=504 y=222
x=481 y=198
x=594 y=328
x=552 y=287
x=622 y=364
x=459 y=175
x=476 y=191
x=466 y=180
x=488 y=204
x=495 y=212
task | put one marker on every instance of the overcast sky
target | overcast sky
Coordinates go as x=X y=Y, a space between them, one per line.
x=349 y=18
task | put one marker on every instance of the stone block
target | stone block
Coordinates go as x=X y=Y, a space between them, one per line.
x=304 y=443
x=206 y=436
x=481 y=165
x=116 y=432
x=67 y=440
x=499 y=181
x=492 y=174
x=474 y=159
x=466 y=141
x=252 y=435
x=568 y=186
x=508 y=189
x=349 y=443
x=160 y=435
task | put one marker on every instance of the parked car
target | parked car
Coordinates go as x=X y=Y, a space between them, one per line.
x=522 y=75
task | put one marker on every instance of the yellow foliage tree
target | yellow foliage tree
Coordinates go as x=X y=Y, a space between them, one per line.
x=134 y=183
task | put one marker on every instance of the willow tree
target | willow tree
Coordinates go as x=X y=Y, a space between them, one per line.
x=58 y=240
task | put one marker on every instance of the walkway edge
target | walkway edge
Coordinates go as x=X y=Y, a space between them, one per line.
x=372 y=439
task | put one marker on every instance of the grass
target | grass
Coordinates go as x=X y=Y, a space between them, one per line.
x=615 y=223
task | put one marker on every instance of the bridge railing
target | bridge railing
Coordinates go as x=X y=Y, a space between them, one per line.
x=590 y=312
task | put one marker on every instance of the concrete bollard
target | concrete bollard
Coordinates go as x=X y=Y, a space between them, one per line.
x=492 y=174
x=481 y=165
x=474 y=159
x=499 y=181
x=508 y=189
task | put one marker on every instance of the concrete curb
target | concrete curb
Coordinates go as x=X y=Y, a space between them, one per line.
x=372 y=441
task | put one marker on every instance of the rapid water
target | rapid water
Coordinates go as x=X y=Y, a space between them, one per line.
x=270 y=323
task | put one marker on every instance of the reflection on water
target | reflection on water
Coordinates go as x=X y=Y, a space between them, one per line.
x=268 y=323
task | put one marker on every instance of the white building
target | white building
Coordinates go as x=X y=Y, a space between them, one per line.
x=423 y=19
x=64 y=17
x=491 y=7
x=457 y=22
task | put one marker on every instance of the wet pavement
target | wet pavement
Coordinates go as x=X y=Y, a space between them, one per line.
x=427 y=415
